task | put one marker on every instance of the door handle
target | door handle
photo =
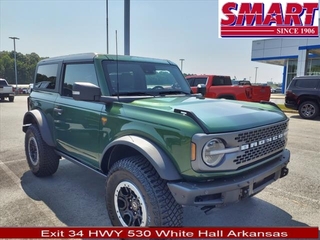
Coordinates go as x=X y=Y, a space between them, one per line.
x=58 y=110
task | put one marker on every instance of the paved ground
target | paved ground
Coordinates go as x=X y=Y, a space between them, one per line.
x=277 y=98
x=74 y=196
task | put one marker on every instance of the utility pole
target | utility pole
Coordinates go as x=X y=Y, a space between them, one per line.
x=255 y=78
x=15 y=60
x=107 y=25
x=126 y=27
x=181 y=63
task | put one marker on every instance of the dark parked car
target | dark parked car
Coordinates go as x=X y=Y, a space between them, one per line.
x=276 y=90
x=303 y=94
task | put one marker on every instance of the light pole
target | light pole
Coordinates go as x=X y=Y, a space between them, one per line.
x=15 y=60
x=107 y=25
x=181 y=63
x=127 y=27
x=255 y=78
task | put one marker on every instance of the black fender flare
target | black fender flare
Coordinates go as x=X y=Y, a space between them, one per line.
x=153 y=153
x=37 y=117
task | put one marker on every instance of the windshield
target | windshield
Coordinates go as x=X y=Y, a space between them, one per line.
x=3 y=83
x=144 y=78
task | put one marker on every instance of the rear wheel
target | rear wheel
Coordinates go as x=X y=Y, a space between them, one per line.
x=11 y=99
x=137 y=196
x=42 y=159
x=309 y=110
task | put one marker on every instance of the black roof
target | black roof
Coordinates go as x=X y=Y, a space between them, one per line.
x=308 y=77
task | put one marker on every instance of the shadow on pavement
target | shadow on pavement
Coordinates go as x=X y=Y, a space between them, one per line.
x=76 y=196
x=5 y=101
x=298 y=117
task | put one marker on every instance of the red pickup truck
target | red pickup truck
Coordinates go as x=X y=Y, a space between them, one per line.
x=221 y=87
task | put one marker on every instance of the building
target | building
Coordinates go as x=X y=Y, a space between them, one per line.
x=298 y=56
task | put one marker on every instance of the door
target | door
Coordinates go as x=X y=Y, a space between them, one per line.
x=77 y=123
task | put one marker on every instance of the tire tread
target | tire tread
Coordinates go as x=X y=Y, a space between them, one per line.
x=170 y=211
x=316 y=106
x=48 y=159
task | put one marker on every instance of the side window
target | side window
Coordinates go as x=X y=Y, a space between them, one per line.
x=46 y=76
x=190 y=81
x=199 y=81
x=221 y=81
x=82 y=72
x=307 y=83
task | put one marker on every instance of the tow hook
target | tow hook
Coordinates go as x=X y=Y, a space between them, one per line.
x=284 y=172
x=244 y=193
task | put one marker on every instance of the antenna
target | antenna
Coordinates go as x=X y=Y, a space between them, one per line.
x=117 y=62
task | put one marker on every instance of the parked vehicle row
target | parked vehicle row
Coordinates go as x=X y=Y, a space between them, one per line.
x=276 y=90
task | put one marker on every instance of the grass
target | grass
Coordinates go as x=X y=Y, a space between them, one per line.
x=283 y=108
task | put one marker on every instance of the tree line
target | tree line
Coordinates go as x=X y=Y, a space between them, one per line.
x=26 y=66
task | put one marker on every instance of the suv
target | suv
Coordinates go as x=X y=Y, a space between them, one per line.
x=160 y=147
x=303 y=94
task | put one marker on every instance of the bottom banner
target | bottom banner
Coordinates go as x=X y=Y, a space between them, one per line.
x=156 y=232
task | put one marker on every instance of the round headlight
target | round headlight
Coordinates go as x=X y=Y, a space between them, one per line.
x=211 y=153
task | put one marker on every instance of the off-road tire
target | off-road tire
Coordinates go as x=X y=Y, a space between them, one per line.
x=134 y=182
x=42 y=159
x=11 y=99
x=309 y=110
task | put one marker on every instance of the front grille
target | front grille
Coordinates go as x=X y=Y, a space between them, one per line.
x=263 y=133
x=258 y=151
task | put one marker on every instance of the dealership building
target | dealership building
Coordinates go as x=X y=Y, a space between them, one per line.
x=298 y=56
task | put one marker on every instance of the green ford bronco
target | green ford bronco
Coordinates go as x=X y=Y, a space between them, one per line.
x=136 y=121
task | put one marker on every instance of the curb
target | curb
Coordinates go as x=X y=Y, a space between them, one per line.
x=289 y=111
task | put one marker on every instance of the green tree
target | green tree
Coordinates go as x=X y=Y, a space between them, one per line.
x=26 y=65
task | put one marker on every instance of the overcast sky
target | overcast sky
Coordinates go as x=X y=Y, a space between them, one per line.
x=169 y=29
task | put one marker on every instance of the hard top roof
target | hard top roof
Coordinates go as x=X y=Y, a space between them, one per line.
x=91 y=56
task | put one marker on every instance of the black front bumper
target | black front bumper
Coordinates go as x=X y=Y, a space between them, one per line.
x=223 y=191
x=291 y=106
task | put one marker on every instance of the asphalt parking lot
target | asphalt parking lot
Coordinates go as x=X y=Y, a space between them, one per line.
x=74 y=196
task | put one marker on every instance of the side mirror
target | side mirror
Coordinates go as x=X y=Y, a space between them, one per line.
x=85 y=91
x=201 y=88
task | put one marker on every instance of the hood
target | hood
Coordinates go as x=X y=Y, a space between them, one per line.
x=218 y=115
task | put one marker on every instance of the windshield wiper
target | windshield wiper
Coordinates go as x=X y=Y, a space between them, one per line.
x=172 y=92
x=133 y=94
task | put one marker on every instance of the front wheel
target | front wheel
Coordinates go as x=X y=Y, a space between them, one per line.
x=309 y=110
x=137 y=196
x=11 y=99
